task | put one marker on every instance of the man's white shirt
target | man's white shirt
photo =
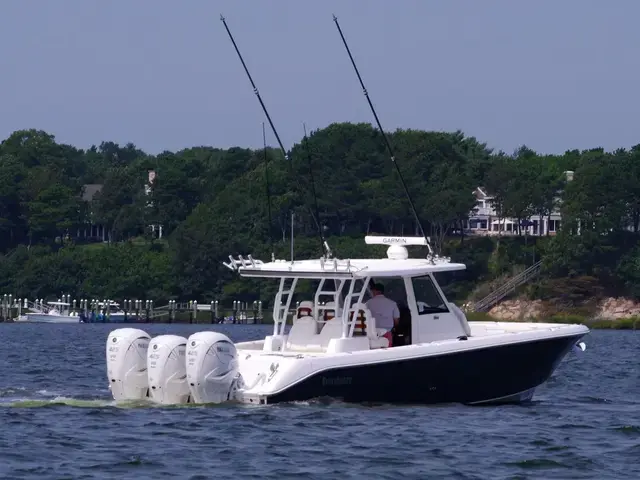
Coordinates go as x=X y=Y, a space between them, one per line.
x=384 y=310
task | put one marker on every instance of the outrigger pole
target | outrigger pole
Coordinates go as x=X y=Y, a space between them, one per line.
x=275 y=132
x=313 y=185
x=266 y=180
x=386 y=141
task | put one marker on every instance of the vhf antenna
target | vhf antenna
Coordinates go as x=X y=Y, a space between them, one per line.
x=386 y=141
x=275 y=132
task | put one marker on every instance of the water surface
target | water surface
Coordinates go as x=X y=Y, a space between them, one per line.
x=58 y=422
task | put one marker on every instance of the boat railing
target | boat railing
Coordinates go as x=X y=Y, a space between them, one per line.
x=326 y=264
x=352 y=308
x=234 y=263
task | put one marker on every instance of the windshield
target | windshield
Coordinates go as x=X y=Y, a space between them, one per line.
x=428 y=299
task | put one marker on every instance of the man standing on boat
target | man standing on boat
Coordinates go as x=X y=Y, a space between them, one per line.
x=383 y=309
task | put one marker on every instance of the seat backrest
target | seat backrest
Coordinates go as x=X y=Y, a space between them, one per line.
x=331 y=329
x=359 y=310
x=373 y=333
x=360 y=327
x=305 y=308
x=302 y=332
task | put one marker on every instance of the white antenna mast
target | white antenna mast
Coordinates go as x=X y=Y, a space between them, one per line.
x=292 y=216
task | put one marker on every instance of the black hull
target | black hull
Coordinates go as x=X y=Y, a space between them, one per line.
x=498 y=374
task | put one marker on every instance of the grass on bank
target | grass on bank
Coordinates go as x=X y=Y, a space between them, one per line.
x=631 y=323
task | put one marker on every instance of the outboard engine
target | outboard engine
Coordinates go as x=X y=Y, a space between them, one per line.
x=127 y=363
x=212 y=367
x=167 y=370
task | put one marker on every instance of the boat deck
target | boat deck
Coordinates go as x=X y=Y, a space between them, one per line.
x=483 y=334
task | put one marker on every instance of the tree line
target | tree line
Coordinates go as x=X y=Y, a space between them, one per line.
x=212 y=202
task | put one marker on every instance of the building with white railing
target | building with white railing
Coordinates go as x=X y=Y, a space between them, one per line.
x=485 y=220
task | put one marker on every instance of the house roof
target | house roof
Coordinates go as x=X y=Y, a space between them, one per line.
x=89 y=190
x=482 y=192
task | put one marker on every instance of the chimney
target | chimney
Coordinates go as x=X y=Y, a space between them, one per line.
x=569 y=175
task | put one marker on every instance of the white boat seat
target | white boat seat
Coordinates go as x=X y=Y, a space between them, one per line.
x=302 y=333
x=331 y=329
x=303 y=337
x=373 y=333
x=378 y=342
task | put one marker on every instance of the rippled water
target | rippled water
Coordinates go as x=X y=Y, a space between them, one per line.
x=57 y=421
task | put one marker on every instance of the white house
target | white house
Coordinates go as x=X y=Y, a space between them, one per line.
x=484 y=220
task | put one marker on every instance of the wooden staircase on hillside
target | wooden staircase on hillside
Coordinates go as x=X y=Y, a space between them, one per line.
x=509 y=287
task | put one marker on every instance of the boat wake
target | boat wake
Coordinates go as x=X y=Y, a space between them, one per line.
x=57 y=401
x=21 y=397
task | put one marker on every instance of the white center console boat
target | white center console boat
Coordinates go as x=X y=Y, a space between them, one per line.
x=441 y=357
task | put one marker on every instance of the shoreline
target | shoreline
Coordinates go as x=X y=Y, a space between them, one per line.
x=617 y=313
x=630 y=323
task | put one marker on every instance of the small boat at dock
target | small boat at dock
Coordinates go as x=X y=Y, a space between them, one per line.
x=52 y=312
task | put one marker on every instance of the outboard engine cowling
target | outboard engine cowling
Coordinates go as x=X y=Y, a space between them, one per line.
x=167 y=372
x=212 y=367
x=127 y=363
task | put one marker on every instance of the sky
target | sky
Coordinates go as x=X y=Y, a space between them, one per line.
x=552 y=75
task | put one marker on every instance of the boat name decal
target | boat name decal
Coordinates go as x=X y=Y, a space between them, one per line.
x=336 y=381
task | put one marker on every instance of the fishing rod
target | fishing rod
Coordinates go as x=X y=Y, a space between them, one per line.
x=384 y=136
x=266 y=179
x=305 y=141
x=275 y=132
